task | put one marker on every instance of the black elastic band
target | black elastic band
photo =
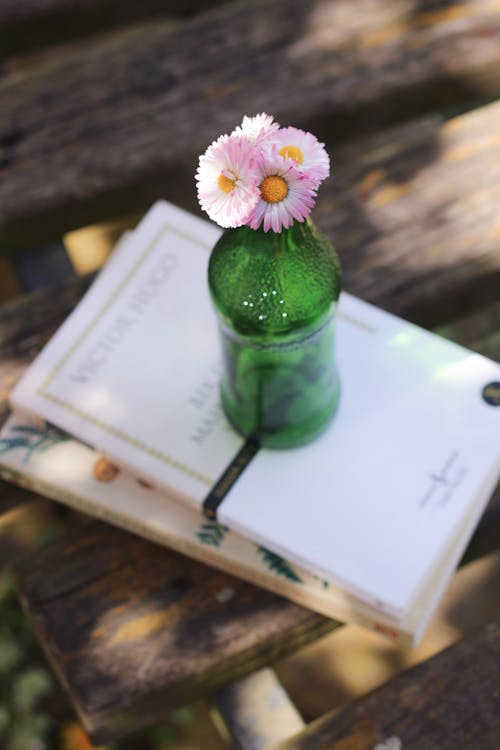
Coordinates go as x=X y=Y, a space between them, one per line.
x=229 y=476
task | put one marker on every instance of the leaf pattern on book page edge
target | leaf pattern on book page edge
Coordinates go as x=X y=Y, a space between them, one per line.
x=212 y=533
x=32 y=439
x=278 y=565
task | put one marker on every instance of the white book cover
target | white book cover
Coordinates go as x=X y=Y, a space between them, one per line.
x=50 y=462
x=369 y=506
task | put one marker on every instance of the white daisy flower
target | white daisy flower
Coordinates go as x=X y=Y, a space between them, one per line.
x=306 y=151
x=257 y=128
x=285 y=194
x=227 y=180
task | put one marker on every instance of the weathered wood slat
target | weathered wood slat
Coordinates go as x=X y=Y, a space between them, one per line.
x=26 y=325
x=133 y=629
x=11 y=496
x=480 y=330
x=449 y=702
x=30 y=24
x=25 y=11
x=133 y=634
x=28 y=522
x=414 y=214
x=10 y=286
x=78 y=142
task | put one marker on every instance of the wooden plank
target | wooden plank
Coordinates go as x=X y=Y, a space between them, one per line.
x=133 y=634
x=12 y=496
x=133 y=629
x=30 y=24
x=10 y=286
x=414 y=214
x=449 y=702
x=113 y=143
x=481 y=330
x=26 y=325
x=22 y=11
x=28 y=523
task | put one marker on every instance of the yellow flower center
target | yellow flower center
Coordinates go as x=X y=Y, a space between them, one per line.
x=292 y=152
x=225 y=183
x=273 y=189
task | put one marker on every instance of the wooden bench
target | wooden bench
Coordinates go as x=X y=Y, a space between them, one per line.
x=403 y=95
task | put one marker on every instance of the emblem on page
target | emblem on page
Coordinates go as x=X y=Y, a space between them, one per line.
x=444 y=481
x=491 y=393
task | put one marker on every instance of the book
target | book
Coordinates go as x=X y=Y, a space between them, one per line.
x=42 y=458
x=369 y=506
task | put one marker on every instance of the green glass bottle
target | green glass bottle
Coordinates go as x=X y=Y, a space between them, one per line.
x=275 y=295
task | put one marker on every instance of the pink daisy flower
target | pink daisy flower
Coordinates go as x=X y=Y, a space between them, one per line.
x=257 y=128
x=285 y=194
x=227 y=180
x=306 y=151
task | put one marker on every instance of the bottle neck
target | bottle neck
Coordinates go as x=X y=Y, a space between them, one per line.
x=272 y=284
